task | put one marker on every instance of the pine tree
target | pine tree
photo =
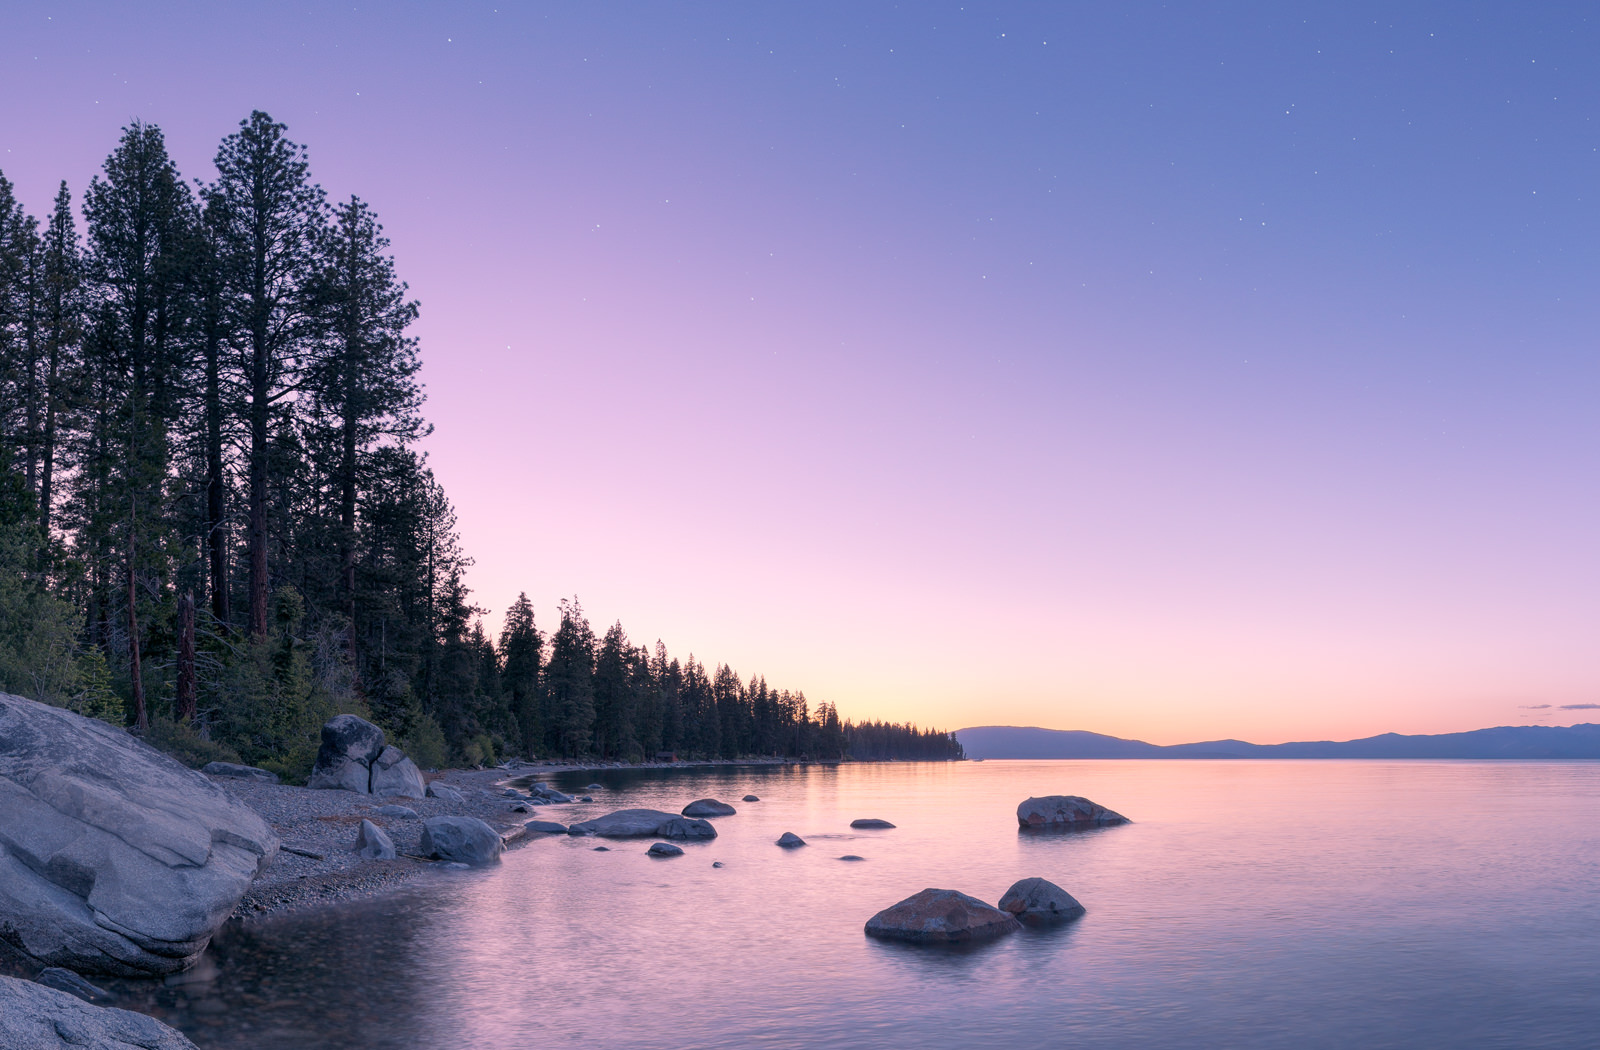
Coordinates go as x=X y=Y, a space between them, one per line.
x=569 y=682
x=521 y=652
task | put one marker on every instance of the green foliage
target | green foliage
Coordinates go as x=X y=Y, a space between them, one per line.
x=38 y=637
x=185 y=744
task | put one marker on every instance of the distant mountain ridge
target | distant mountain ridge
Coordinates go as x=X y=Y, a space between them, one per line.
x=1579 y=741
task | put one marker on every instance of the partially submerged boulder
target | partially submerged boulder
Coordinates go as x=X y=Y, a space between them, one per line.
x=664 y=849
x=114 y=858
x=549 y=794
x=373 y=843
x=870 y=822
x=624 y=823
x=467 y=840
x=344 y=760
x=1066 y=812
x=34 y=1017
x=1038 y=900
x=686 y=828
x=750 y=798
x=549 y=827
x=238 y=772
x=941 y=917
x=708 y=807
x=395 y=774
x=789 y=840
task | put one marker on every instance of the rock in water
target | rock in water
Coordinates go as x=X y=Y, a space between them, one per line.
x=664 y=849
x=686 y=828
x=373 y=843
x=66 y=981
x=870 y=822
x=624 y=823
x=851 y=856
x=708 y=807
x=466 y=840
x=1066 y=811
x=789 y=840
x=1036 y=900
x=444 y=792
x=395 y=774
x=113 y=857
x=33 y=1017
x=750 y=798
x=549 y=827
x=234 y=769
x=349 y=745
x=549 y=794
x=941 y=917
x=595 y=787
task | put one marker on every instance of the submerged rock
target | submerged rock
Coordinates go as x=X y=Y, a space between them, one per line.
x=344 y=760
x=851 y=856
x=373 y=843
x=114 y=858
x=870 y=822
x=941 y=917
x=234 y=769
x=708 y=807
x=789 y=840
x=395 y=774
x=1037 y=900
x=1066 y=811
x=467 y=840
x=34 y=1017
x=664 y=849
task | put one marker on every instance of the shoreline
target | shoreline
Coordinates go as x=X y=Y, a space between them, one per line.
x=324 y=822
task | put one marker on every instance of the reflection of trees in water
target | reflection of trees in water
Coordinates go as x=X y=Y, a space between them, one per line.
x=345 y=976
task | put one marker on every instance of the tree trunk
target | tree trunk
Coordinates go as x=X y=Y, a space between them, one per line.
x=186 y=682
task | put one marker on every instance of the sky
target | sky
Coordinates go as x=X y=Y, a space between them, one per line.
x=1176 y=371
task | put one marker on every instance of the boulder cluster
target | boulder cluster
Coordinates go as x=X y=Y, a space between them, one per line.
x=354 y=757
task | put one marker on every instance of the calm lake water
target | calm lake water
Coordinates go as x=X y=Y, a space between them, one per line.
x=1252 y=904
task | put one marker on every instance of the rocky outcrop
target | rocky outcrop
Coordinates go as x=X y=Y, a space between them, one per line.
x=33 y=1017
x=349 y=746
x=1066 y=812
x=664 y=849
x=1037 y=900
x=941 y=917
x=235 y=770
x=708 y=807
x=395 y=774
x=373 y=843
x=113 y=857
x=466 y=840
x=870 y=822
x=789 y=840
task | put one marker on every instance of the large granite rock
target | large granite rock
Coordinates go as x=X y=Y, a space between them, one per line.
x=349 y=746
x=941 y=917
x=1037 y=900
x=395 y=774
x=1067 y=812
x=373 y=843
x=686 y=828
x=113 y=857
x=33 y=1017
x=238 y=772
x=624 y=824
x=464 y=839
x=708 y=807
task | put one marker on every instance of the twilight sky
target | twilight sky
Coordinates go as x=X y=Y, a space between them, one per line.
x=1172 y=371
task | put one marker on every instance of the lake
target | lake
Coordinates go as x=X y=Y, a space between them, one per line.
x=1253 y=904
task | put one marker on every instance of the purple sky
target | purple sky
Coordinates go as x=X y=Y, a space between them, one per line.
x=1174 y=375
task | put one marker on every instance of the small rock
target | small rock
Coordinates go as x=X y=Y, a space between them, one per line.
x=716 y=864
x=708 y=807
x=851 y=856
x=586 y=798
x=233 y=769
x=520 y=807
x=789 y=840
x=595 y=787
x=373 y=843
x=664 y=849
x=1066 y=811
x=511 y=793
x=548 y=793
x=602 y=849
x=1040 y=901
x=396 y=812
x=444 y=792
x=549 y=827
x=941 y=917
x=464 y=839
x=750 y=798
x=870 y=822
x=64 y=980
